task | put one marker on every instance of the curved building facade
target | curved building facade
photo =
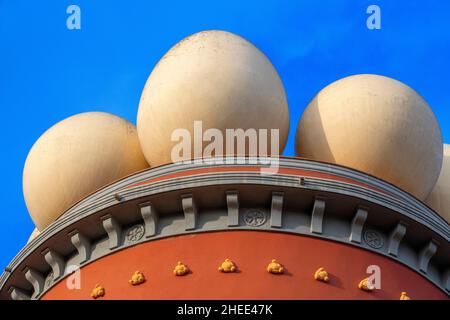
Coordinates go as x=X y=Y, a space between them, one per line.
x=326 y=226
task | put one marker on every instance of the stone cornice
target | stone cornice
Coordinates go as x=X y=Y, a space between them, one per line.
x=377 y=207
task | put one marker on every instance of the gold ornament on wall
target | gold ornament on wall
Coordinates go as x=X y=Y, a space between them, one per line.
x=137 y=278
x=321 y=275
x=275 y=267
x=180 y=269
x=365 y=285
x=404 y=296
x=227 y=266
x=98 y=291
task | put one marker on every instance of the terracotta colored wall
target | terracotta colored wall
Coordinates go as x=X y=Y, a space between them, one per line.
x=251 y=251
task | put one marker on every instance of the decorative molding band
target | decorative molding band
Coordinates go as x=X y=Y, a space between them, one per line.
x=386 y=202
x=284 y=162
x=102 y=250
x=395 y=199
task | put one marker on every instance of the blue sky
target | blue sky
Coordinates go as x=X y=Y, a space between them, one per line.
x=48 y=72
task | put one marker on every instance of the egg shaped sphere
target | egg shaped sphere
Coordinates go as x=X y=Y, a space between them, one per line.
x=377 y=125
x=215 y=77
x=439 y=198
x=33 y=235
x=76 y=157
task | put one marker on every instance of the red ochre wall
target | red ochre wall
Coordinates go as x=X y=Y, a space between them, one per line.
x=251 y=251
